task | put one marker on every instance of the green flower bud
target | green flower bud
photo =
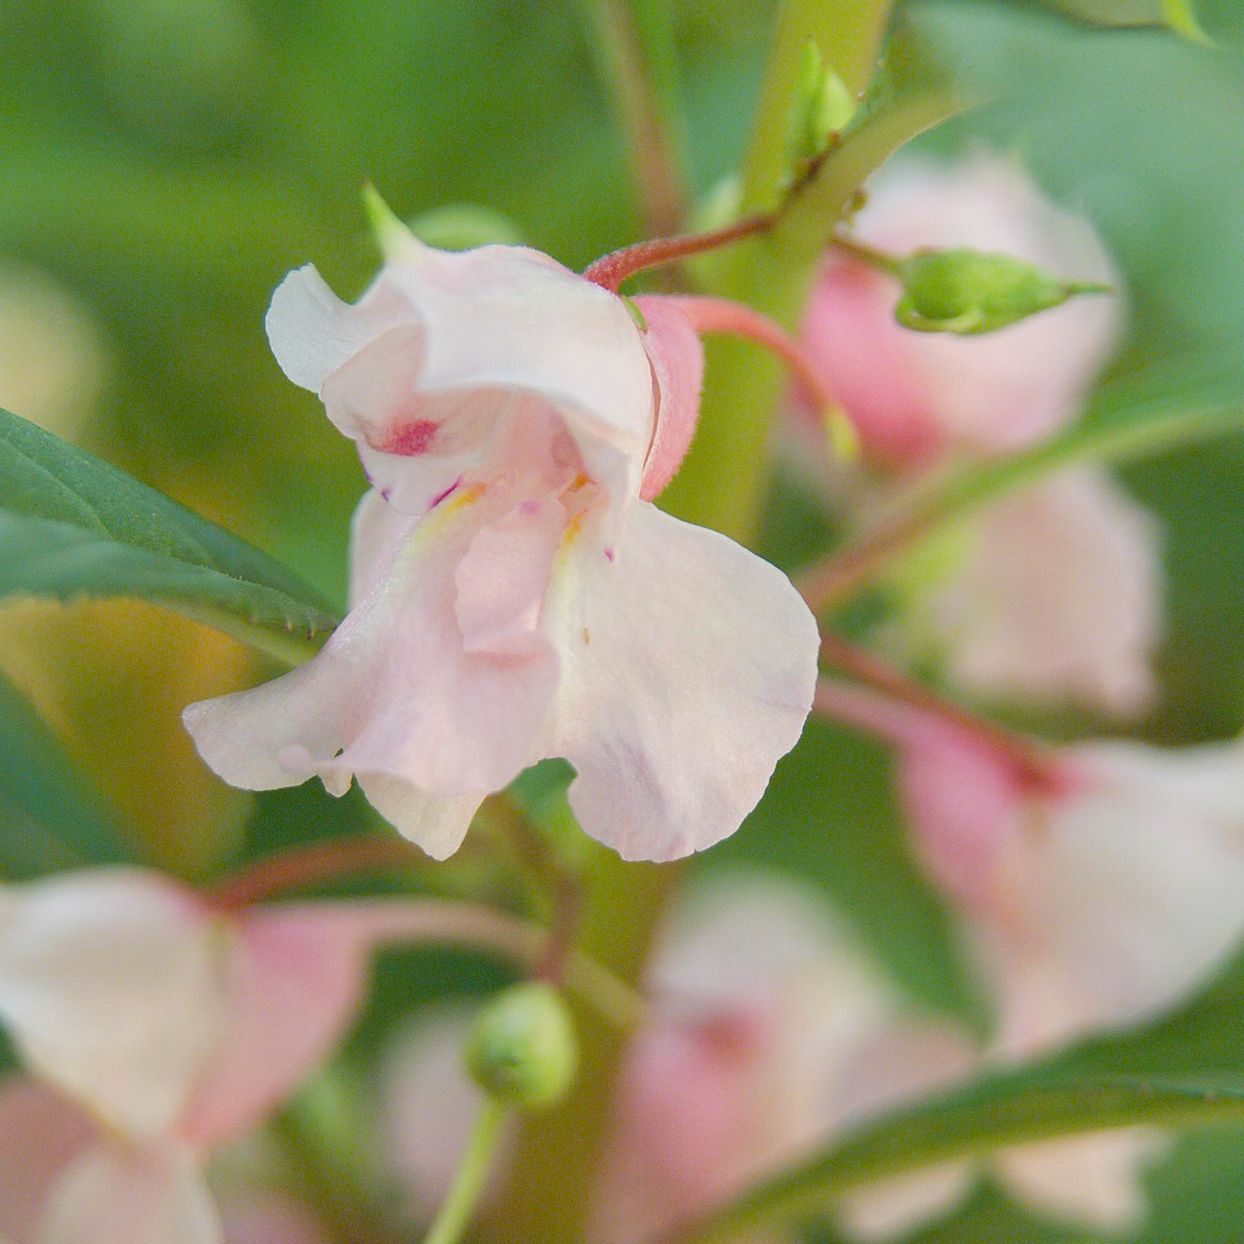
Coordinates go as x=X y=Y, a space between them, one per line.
x=970 y=292
x=822 y=106
x=523 y=1050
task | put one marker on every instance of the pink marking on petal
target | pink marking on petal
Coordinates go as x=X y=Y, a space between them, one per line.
x=410 y=439
x=609 y=553
x=440 y=496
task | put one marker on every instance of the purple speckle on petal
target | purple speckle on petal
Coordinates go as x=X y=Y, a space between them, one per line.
x=529 y=508
x=386 y=492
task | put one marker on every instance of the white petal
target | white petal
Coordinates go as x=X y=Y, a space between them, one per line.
x=688 y=675
x=394 y=697
x=895 y=1207
x=117 y=1195
x=1058 y=598
x=1140 y=890
x=509 y=317
x=312 y=332
x=111 y=983
x=1091 y=1180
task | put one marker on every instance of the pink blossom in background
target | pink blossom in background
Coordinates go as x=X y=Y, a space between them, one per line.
x=1097 y=905
x=160 y=1029
x=770 y=1033
x=515 y=595
x=915 y=396
x=1052 y=595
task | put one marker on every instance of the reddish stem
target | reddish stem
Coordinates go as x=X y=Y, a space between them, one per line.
x=1034 y=764
x=721 y=315
x=609 y=271
x=312 y=865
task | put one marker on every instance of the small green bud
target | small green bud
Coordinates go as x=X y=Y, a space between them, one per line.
x=1181 y=17
x=971 y=292
x=523 y=1050
x=822 y=105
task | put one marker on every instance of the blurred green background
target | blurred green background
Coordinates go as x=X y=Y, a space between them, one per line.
x=167 y=161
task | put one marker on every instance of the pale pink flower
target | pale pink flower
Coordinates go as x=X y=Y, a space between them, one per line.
x=515 y=595
x=770 y=1033
x=1102 y=902
x=1055 y=598
x=915 y=396
x=163 y=1028
x=1049 y=596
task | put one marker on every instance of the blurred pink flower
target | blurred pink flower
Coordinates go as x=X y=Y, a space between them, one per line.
x=916 y=396
x=163 y=1028
x=1098 y=904
x=770 y=1033
x=1054 y=594
x=515 y=596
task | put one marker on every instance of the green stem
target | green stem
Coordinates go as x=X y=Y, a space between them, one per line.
x=720 y=486
x=635 y=60
x=848 y=34
x=865 y=559
x=559 y=1150
x=460 y=1204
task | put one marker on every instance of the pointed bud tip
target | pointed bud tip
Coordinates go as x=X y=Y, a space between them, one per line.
x=391 y=234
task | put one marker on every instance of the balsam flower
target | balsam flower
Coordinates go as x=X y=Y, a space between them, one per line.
x=769 y=1032
x=515 y=594
x=1105 y=900
x=1051 y=595
x=161 y=1028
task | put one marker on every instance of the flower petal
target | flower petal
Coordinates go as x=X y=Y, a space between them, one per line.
x=111 y=983
x=1138 y=888
x=677 y=359
x=688 y=674
x=41 y=1134
x=118 y=1194
x=312 y=332
x=1091 y=1180
x=394 y=696
x=417 y=371
x=299 y=977
x=1058 y=597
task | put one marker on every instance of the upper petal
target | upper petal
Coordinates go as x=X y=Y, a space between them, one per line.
x=688 y=673
x=111 y=984
x=419 y=368
x=677 y=358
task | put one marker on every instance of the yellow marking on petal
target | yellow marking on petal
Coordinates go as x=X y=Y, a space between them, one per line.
x=573 y=528
x=587 y=636
x=468 y=496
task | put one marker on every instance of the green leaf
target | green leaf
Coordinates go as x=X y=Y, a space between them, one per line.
x=72 y=526
x=51 y=818
x=1008 y=1109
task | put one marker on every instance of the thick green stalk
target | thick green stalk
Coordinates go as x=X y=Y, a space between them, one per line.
x=559 y=1150
x=720 y=486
